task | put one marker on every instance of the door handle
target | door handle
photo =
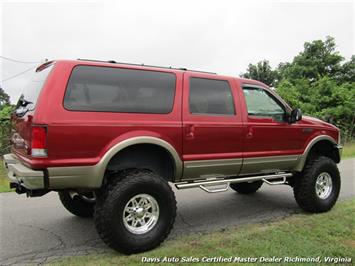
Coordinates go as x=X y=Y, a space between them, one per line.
x=250 y=133
x=190 y=132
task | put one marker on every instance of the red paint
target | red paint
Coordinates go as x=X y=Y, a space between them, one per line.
x=82 y=138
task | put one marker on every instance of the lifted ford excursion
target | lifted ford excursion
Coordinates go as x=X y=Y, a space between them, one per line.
x=109 y=137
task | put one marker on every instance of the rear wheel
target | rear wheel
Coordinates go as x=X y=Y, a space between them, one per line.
x=246 y=188
x=317 y=188
x=81 y=205
x=135 y=212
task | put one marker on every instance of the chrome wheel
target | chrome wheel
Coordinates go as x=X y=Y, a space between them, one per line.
x=141 y=214
x=324 y=185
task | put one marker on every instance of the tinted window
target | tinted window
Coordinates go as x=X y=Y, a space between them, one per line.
x=109 y=89
x=261 y=103
x=34 y=87
x=209 y=96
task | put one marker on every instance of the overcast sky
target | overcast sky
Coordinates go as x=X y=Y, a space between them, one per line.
x=220 y=36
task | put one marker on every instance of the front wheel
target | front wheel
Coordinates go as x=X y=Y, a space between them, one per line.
x=317 y=188
x=136 y=212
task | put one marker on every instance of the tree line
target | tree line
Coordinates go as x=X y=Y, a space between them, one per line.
x=5 y=112
x=318 y=81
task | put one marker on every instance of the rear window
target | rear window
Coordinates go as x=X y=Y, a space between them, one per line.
x=210 y=97
x=33 y=88
x=106 y=89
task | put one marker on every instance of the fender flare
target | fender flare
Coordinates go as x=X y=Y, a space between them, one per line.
x=303 y=157
x=141 y=140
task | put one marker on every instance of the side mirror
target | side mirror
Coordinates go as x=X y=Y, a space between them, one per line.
x=296 y=115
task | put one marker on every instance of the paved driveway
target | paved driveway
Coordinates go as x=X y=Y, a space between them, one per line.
x=39 y=229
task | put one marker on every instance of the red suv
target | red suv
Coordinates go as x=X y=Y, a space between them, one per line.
x=109 y=137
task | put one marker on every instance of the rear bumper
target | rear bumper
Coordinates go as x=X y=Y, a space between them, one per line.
x=52 y=178
x=20 y=174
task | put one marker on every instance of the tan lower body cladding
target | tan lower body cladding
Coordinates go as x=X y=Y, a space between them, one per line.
x=203 y=169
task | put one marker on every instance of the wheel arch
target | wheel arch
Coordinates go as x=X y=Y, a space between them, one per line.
x=131 y=145
x=324 y=145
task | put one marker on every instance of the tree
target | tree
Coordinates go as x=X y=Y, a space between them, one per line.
x=4 y=98
x=5 y=112
x=318 y=59
x=347 y=71
x=263 y=72
x=317 y=81
x=325 y=99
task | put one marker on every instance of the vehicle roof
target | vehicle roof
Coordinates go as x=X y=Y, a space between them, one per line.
x=112 y=63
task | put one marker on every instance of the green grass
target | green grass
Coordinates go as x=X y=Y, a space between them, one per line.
x=4 y=182
x=349 y=150
x=330 y=234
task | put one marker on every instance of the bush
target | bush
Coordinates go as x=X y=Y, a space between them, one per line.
x=5 y=128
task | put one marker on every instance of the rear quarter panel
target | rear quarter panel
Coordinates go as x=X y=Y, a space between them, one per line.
x=82 y=138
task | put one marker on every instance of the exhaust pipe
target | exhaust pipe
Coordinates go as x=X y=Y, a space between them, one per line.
x=18 y=188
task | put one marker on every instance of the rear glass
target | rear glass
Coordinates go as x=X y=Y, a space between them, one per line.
x=106 y=89
x=34 y=86
x=209 y=96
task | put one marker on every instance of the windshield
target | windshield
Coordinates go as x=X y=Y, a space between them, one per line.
x=29 y=96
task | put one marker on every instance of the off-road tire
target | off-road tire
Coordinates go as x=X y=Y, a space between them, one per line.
x=76 y=205
x=109 y=217
x=246 y=188
x=305 y=185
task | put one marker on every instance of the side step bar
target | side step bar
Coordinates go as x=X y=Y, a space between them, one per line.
x=202 y=184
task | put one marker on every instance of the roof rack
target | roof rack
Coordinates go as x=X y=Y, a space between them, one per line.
x=132 y=64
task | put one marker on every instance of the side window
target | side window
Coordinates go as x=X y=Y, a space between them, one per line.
x=106 y=89
x=209 y=96
x=261 y=103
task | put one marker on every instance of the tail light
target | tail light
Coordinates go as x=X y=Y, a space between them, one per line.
x=39 y=141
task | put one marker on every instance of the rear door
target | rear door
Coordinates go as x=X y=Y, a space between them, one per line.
x=212 y=127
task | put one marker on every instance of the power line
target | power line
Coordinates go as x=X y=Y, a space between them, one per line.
x=18 y=74
x=19 y=61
